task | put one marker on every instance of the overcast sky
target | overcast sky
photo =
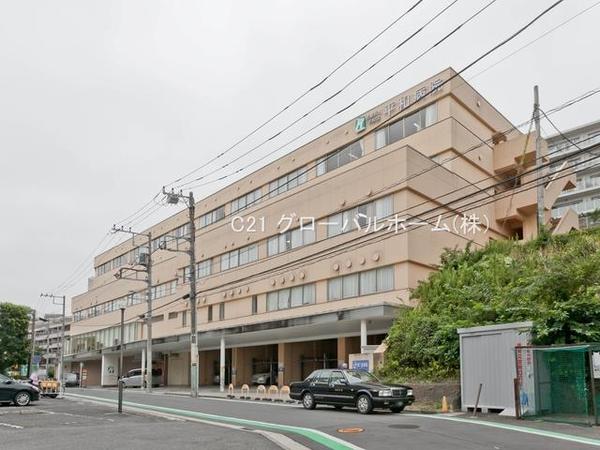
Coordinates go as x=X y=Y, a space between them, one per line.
x=103 y=102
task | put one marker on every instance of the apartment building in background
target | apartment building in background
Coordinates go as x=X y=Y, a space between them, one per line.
x=585 y=197
x=309 y=258
x=48 y=337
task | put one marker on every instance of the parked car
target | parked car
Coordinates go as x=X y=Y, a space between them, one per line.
x=352 y=388
x=21 y=394
x=133 y=378
x=71 y=379
x=262 y=378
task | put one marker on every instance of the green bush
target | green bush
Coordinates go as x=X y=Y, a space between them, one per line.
x=553 y=281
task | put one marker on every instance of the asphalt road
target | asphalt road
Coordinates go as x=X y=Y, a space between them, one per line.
x=72 y=424
x=382 y=430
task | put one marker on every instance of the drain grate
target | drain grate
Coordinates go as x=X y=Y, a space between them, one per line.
x=404 y=426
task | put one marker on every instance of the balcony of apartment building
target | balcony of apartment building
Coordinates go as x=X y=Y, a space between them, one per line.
x=515 y=162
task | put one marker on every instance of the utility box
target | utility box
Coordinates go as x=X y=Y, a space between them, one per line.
x=487 y=358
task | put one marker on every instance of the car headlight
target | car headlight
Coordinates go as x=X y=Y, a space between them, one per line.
x=385 y=393
x=409 y=392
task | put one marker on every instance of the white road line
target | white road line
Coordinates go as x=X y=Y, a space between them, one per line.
x=10 y=425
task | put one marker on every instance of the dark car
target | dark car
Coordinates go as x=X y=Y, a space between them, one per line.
x=21 y=394
x=353 y=388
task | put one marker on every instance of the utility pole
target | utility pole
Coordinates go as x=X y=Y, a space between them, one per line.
x=32 y=352
x=47 y=357
x=541 y=210
x=173 y=198
x=121 y=341
x=147 y=264
x=63 y=303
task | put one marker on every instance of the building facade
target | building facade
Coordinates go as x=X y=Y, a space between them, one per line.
x=48 y=337
x=585 y=197
x=310 y=258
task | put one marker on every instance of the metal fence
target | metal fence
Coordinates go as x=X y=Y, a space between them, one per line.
x=559 y=383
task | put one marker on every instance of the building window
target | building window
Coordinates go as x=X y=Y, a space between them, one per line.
x=158 y=318
x=211 y=217
x=406 y=126
x=339 y=158
x=363 y=283
x=183 y=318
x=204 y=268
x=289 y=240
x=287 y=182
x=210 y=317
x=359 y=217
x=254 y=304
x=246 y=201
x=221 y=311
x=165 y=289
x=173 y=315
x=291 y=297
x=239 y=257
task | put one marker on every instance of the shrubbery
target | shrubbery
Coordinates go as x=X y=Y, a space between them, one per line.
x=553 y=281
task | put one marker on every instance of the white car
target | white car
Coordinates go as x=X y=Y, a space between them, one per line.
x=262 y=378
x=134 y=378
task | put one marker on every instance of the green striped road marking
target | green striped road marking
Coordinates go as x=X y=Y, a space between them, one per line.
x=317 y=436
x=520 y=429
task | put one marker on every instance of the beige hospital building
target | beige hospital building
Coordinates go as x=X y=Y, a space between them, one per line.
x=309 y=259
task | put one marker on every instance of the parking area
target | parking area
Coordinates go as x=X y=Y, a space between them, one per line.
x=66 y=423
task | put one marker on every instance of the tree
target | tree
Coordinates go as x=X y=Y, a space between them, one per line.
x=553 y=281
x=14 y=345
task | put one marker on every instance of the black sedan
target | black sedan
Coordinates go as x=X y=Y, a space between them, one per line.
x=21 y=394
x=353 y=388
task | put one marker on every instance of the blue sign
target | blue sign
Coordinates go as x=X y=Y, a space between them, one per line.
x=360 y=364
x=36 y=359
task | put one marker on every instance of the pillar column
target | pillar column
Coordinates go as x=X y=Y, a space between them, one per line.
x=235 y=355
x=143 y=367
x=222 y=365
x=363 y=334
x=284 y=363
x=342 y=351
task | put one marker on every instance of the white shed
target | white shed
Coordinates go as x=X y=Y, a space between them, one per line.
x=487 y=357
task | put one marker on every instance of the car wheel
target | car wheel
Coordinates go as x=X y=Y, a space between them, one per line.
x=338 y=407
x=397 y=409
x=22 y=398
x=364 y=404
x=308 y=401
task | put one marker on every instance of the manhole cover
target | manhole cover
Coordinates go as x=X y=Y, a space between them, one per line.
x=350 y=430
x=404 y=426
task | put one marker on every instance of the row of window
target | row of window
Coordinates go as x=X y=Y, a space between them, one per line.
x=246 y=201
x=239 y=257
x=161 y=290
x=289 y=240
x=340 y=158
x=97 y=340
x=287 y=182
x=359 y=217
x=291 y=297
x=362 y=283
x=406 y=126
x=211 y=217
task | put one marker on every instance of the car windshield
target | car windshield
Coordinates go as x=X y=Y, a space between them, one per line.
x=4 y=378
x=360 y=376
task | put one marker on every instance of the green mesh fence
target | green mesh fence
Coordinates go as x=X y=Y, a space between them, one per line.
x=557 y=383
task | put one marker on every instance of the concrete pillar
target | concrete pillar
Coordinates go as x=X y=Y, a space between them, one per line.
x=222 y=365
x=284 y=363
x=342 y=351
x=235 y=354
x=363 y=334
x=143 y=365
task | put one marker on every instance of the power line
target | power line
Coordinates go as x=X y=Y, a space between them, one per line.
x=328 y=253
x=301 y=96
x=335 y=114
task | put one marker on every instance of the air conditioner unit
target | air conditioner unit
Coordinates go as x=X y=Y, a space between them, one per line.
x=143 y=259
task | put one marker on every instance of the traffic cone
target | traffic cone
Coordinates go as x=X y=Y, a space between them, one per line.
x=444 y=404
